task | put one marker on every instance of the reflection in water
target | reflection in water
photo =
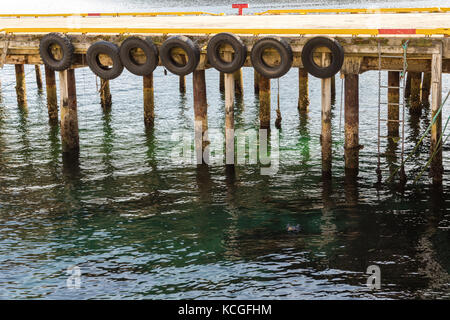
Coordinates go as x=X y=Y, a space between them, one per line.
x=304 y=138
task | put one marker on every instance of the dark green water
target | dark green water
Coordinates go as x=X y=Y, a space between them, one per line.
x=140 y=225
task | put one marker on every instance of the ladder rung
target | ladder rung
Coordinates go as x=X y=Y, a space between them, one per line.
x=392 y=103
x=388 y=56
x=389 y=87
x=389 y=120
x=394 y=70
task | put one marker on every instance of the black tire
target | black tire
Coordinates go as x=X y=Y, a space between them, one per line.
x=66 y=47
x=214 y=58
x=284 y=50
x=337 y=57
x=192 y=51
x=110 y=49
x=150 y=51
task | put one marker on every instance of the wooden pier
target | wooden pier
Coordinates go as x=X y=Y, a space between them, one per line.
x=419 y=35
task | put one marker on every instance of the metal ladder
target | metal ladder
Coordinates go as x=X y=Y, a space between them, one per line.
x=401 y=104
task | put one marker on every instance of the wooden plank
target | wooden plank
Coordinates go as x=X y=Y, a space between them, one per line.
x=312 y=24
x=436 y=168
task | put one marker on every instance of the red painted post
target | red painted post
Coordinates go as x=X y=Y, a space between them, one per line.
x=240 y=6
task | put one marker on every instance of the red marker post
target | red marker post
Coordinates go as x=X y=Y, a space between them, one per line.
x=240 y=6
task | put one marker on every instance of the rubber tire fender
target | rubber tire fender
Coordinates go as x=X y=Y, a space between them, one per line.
x=110 y=49
x=284 y=50
x=214 y=58
x=150 y=51
x=192 y=51
x=337 y=57
x=67 y=49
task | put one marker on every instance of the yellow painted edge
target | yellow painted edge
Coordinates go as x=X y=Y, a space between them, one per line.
x=281 y=11
x=374 y=10
x=438 y=31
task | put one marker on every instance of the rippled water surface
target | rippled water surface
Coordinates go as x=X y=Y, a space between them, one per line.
x=140 y=225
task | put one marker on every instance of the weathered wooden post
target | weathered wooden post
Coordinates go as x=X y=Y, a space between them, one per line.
x=229 y=113
x=333 y=89
x=256 y=81
x=393 y=103
x=238 y=83
x=200 y=114
x=436 y=168
x=105 y=95
x=325 y=136
x=37 y=69
x=52 y=99
x=351 y=147
x=182 y=79
x=264 y=102
x=414 y=98
x=21 y=90
x=303 y=90
x=222 y=82
x=182 y=84
x=425 y=94
x=149 y=101
x=69 y=118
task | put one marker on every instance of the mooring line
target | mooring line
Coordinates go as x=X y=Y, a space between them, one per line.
x=435 y=151
x=434 y=119
x=14 y=82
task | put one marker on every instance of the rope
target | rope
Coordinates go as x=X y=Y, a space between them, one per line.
x=423 y=136
x=14 y=82
x=340 y=108
x=439 y=146
x=278 y=120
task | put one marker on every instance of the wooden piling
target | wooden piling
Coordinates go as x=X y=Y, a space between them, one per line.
x=182 y=79
x=21 y=90
x=256 y=81
x=425 y=93
x=264 y=102
x=351 y=147
x=393 y=103
x=333 y=89
x=52 y=99
x=325 y=136
x=69 y=119
x=37 y=69
x=414 y=98
x=229 y=118
x=200 y=114
x=222 y=82
x=436 y=168
x=105 y=95
x=303 y=90
x=238 y=83
x=149 y=101
x=182 y=84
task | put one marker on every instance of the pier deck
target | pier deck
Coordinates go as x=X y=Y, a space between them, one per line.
x=422 y=23
x=417 y=42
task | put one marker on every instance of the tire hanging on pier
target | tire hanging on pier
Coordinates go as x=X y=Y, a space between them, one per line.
x=337 y=57
x=188 y=46
x=284 y=50
x=213 y=52
x=93 y=60
x=46 y=45
x=129 y=62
